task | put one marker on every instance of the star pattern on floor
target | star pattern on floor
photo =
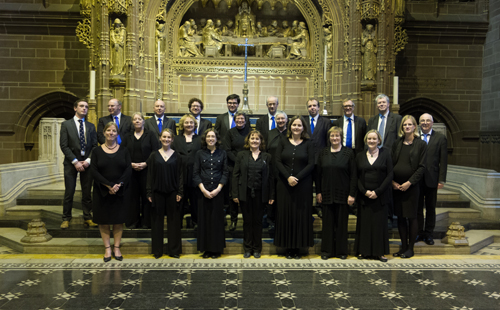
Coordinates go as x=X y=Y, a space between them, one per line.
x=323 y=271
x=230 y=295
x=277 y=271
x=413 y=271
x=186 y=271
x=131 y=282
x=121 y=295
x=45 y=271
x=285 y=295
x=139 y=271
x=368 y=271
x=463 y=308
x=110 y=308
x=330 y=282
x=281 y=282
x=378 y=282
x=232 y=271
x=174 y=308
x=92 y=271
x=492 y=295
x=29 y=282
x=405 y=308
x=230 y=308
x=10 y=296
x=339 y=295
x=443 y=295
x=81 y=282
x=182 y=282
x=349 y=308
x=391 y=295
x=426 y=282
x=66 y=295
x=231 y=282
x=179 y=295
x=474 y=282
x=457 y=271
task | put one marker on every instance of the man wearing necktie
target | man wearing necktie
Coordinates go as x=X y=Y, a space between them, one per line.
x=77 y=140
x=123 y=121
x=267 y=122
x=159 y=120
x=353 y=127
x=434 y=178
x=386 y=123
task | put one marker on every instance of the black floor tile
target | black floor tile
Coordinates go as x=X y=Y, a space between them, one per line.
x=259 y=302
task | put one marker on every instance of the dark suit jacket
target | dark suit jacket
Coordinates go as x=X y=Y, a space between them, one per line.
x=149 y=143
x=204 y=125
x=417 y=157
x=359 y=131
x=318 y=138
x=262 y=125
x=151 y=125
x=240 y=177
x=436 y=164
x=180 y=146
x=70 y=141
x=222 y=124
x=391 y=128
x=125 y=126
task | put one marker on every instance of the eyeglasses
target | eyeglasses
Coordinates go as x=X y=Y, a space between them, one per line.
x=348 y=106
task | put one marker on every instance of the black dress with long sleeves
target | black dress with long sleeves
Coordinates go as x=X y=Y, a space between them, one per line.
x=372 y=236
x=294 y=227
x=110 y=169
x=336 y=180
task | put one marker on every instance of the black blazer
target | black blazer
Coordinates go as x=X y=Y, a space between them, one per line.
x=318 y=138
x=436 y=163
x=180 y=146
x=222 y=124
x=359 y=131
x=151 y=125
x=149 y=143
x=69 y=141
x=125 y=126
x=204 y=125
x=383 y=166
x=240 y=177
x=262 y=125
x=391 y=129
x=417 y=157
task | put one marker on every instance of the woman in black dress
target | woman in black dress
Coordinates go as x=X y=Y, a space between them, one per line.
x=336 y=185
x=210 y=174
x=374 y=195
x=233 y=143
x=295 y=164
x=408 y=156
x=187 y=144
x=252 y=189
x=165 y=191
x=111 y=169
x=140 y=144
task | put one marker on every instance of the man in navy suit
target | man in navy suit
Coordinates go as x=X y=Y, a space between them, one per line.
x=354 y=136
x=159 y=120
x=78 y=139
x=386 y=123
x=267 y=122
x=436 y=165
x=123 y=121
x=195 y=106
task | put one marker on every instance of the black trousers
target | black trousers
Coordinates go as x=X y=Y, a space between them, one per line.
x=70 y=175
x=427 y=198
x=252 y=210
x=166 y=204
x=140 y=207
x=334 y=236
x=232 y=208
x=190 y=202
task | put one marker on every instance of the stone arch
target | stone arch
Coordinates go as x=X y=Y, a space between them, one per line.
x=441 y=114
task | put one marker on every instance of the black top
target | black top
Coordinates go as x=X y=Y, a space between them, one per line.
x=336 y=175
x=110 y=169
x=376 y=177
x=140 y=152
x=255 y=172
x=295 y=160
x=188 y=152
x=402 y=169
x=164 y=176
x=210 y=169
x=417 y=158
x=234 y=141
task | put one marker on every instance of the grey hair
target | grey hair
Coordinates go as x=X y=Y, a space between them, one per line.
x=382 y=96
x=282 y=113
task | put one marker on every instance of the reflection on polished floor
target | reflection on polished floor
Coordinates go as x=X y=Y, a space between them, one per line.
x=272 y=282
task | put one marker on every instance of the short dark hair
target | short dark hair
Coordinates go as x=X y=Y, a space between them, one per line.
x=304 y=135
x=315 y=99
x=204 y=137
x=233 y=96
x=239 y=113
x=262 y=145
x=75 y=105
x=192 y=100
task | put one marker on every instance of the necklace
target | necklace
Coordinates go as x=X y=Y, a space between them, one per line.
x=164 y=155
x=372 y=154
x=111 y=148
x=408 y=142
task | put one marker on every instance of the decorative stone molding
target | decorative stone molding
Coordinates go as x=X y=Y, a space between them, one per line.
x=36 y=232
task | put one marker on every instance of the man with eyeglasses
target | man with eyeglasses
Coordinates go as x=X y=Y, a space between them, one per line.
x=267 y=122
x=195 y=106
x=353 y=127
x=436 y=164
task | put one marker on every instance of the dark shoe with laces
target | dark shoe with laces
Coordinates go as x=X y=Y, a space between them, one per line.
x=429 y=241
x=256 y=254
x=247 y=255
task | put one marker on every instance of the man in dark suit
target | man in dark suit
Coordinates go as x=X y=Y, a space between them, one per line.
x=318 y=126
x=386 y=123
x=78 y=139
x=159 y=120
x=436 y=165
x=267 y=122
x=123 y=121
x=195 y=106
x=354 y=136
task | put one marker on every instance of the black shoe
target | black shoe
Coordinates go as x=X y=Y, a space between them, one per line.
x=407 y=254
x=119 y=258
x=289 y=254
x=324 y=257
x=175 y=256
x=107 y=259
x=158 y=256
x=297 y=256
x=361 y=257
x=420 y=238
x=247 y=255
x=215 y=255
x=398 y=253
x=383 y=259
x=233 y=226
x=429 y=241
x=343 y=256
x=206 y=254
x=256 y=254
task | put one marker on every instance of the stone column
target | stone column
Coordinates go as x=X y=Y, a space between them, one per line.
x=49 y=134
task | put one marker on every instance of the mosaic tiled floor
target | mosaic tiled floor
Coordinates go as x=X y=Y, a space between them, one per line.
x=492 y=249
x=244 y=284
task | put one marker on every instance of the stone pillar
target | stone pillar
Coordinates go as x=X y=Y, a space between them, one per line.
x=49 y=134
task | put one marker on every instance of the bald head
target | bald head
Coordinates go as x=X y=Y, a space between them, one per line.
x=159 y=108
x=114 y=107
x=426 y=121
x=272 y=104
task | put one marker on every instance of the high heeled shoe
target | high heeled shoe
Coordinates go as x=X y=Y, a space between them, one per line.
x=119 y=258
x=107 y=259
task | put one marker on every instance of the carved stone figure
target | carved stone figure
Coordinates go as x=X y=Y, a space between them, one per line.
x=261 y=31
x=160 y=37
x=187 y=45
x=369 y=52
x=300 y=43
x=211 y=37
x=285 y=30
x=117 y=37
x=194 y=27
x=328 y=38
x=273 y=29
x=228 y=29
x=218 y=26
x=294 y=29
x=245 y=22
